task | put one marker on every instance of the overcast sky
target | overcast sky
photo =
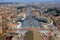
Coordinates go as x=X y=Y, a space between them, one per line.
x=28 y=0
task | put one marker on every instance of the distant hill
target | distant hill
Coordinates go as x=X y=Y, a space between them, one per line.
x=8 y=2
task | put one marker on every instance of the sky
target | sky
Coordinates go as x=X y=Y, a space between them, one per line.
x=29 y=0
